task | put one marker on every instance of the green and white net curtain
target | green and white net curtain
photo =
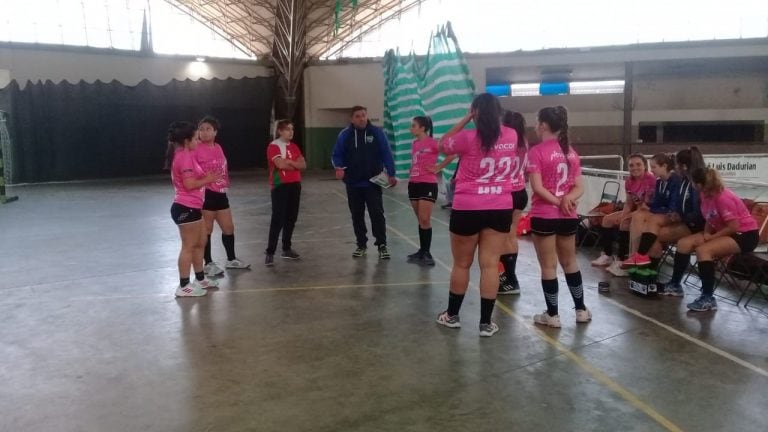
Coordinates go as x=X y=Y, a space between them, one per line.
x=439 y=86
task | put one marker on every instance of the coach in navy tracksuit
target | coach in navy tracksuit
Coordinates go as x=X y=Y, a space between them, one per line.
x=362 y=152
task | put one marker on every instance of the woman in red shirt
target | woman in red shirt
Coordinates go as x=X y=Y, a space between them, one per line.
x=285 y=165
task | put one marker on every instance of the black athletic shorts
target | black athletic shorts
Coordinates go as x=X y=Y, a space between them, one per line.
x=547 y=227
x=471 y=222
x=422 y=191
x=747 y=241
x=519 y=199
x=182 y=214
x=215 y=201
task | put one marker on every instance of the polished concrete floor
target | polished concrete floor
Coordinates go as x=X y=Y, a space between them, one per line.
x=92 y=339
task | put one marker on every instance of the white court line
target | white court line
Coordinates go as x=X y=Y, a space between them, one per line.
x=713 y=349
x=690 y=338
x=411 y=208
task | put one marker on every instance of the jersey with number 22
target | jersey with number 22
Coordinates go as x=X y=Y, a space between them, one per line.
x=558 y=176
x=484 y=180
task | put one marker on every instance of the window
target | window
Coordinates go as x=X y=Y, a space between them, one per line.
x=111 y=24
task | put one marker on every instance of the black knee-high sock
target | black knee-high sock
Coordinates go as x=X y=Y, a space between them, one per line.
x=681 y=265
x=510 y=266
x=707 y=276
x=576 y=286
x=550 y=295
x=425 y=239
x=199 y=275
x=454 y=303
x=646 y=242
x=207 y=251
x=229 y=245
x=486 y=310
x=623 y=245
x=607 y=240
x=655 y=263
x=183 y=282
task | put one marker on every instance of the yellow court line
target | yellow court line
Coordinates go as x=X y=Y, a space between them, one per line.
x=714 y=350
x=597 y=374
x=272 y=289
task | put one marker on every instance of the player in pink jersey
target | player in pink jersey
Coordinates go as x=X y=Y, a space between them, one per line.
x=555 y=175
x=211 y=157
x=730 y=229
x=422 y=185
x=508 y=283
x=482 y=205
x=639 y=188
x=189 y=181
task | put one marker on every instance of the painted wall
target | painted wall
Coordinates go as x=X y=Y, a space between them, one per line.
x=37 y=64
x=596 y=120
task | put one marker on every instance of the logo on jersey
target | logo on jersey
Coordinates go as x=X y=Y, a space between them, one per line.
x=369 y=139
x=489 y=190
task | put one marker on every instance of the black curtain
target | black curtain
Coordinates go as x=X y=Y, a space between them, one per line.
x=78 y=131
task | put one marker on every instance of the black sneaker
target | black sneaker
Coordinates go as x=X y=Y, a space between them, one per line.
x=359 y=252
x=427 y=259
x=415 y=257
x=290 y=254
x=508 y=285
x=269 y=260
x=384 y=252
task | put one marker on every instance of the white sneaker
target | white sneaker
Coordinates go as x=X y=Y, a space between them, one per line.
x=191 y=290
x=603 y=260
x=616 y=270
x=583 y=316
x=237 y=264
x=206 y=283
x=545 y=319
x=211 y=269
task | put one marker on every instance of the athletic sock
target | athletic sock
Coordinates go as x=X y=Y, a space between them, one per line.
x=199 y=275
x=454 y=303
x=681 y=265
x=425 y=239
x=607 y=240
x=183 y=282
x=229 y=245
x=550 y=295
x=486 y=310
x=576 y=286
x=623 y=245
x=646 y=241
x=510 y=267
x=707 y=276
x=207 y=251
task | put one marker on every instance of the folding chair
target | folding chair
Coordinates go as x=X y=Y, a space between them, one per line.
x=745 y=272
x=610 y=194
x=759 y=278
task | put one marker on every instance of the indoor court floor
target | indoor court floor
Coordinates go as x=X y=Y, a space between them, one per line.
x=92 y=339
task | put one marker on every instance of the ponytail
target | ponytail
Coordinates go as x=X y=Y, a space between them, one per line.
x=690 y=158
x=562 y=137
x=557 y=120
x=516 y=121
x=178 y=133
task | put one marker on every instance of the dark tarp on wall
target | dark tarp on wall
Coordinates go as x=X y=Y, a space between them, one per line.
x=78 y=131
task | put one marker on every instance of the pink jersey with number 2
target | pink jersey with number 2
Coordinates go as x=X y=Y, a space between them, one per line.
x=484 y=180
x=558 y=176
